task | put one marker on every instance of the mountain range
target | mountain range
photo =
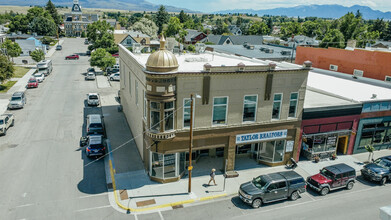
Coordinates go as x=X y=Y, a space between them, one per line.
x=323 y=11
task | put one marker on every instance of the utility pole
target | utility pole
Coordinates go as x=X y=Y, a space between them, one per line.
x=191 y=141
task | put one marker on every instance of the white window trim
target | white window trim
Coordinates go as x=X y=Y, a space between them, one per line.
x=226 y=111
x=145 y=105
x=130 y=83
x=173 y=116
x=256 y=109
x=279 y=112
x=183 y=115
x=335 y=67
x=357 y=72
x=297 y=103
x=136 y=91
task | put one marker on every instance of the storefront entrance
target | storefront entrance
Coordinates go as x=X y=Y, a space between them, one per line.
x=342 y=144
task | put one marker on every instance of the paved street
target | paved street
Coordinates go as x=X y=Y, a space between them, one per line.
x=46 y=175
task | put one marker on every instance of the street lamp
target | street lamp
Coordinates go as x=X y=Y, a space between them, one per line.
x=190 y=167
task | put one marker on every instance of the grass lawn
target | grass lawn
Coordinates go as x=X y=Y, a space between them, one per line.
x=6 y=86
x=53 y=43
x=20 y=71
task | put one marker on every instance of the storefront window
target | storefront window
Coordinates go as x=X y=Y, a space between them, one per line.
x=169 y=165
x=157 y=165
x=165 y=166
x=220 y=110
x=155 y=116
x=249 y=108
x=272 y=151
x=168 y=116
x=182 y=162
x=376 y=133
x=279 y=151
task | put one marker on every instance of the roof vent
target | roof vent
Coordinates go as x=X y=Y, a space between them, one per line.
x=307 y=64
x=373 y=96
x=272 y=66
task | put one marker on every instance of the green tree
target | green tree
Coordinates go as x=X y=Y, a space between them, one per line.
x=37 y=55
x=51 y=8
x=174 y=26
x=183 y=17
x=83 y=34
x=380 y=26
x=19 y=23
x=146 y=26
x=43 y=26
x=387 y=32
x=47 y=40
x=6 y=68
x=258 y=28
x=162 y=18
x=102 y=59
x=367 y=37
x=101 y=34
x=13 y=49
x=36 y=11
x=333 y=38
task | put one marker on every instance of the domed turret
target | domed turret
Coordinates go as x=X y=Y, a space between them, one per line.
x=162 y=60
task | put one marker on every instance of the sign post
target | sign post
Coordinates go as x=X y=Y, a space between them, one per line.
x=225 y=173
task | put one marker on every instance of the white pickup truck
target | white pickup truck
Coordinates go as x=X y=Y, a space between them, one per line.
x=6 y=121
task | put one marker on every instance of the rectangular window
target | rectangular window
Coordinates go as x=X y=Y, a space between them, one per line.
x=136 y=91
x=155 y=116
x=293 y=105
x=277 y=106
x=130 y=83
x=220 y=110
x=250 y=108
x=129 y=41
x=145 y=105
x=186 y=112
x=168 y=116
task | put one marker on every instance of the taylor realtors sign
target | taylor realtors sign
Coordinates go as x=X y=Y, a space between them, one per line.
x=260 y=136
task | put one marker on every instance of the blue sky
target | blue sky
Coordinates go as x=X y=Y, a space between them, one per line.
x=217 y=5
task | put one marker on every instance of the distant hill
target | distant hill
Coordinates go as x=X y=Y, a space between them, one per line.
x=323 y=11
x=132 y=5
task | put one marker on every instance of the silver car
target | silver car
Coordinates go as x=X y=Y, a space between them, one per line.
x=40 y=76
x=93 y=99
x=90 y=76
x=114 y=76
x=18 y=100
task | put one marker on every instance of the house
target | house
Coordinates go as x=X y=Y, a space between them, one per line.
x=358 y=62
x=29 y=45
x=248 y=111
x=20 y=36
x=234 y=40
x=129 y=38
x=76 y=22
x=235 y=30
x=301 y=40
x=194 y=36
x=112 y=22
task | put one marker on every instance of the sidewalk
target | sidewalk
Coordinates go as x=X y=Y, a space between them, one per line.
x=133 y=190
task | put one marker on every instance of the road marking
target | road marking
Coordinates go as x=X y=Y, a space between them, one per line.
x=25 y=205
x=135 y=217
x=161 y=216
x=308 y=195
x=101 y=194
x=24 y=195
x=88 y=209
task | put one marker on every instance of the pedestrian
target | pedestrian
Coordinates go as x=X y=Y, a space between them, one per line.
x=212 y=177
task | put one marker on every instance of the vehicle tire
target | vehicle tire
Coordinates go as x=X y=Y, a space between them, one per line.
x=350 y=185
x=5 y=132
x=383 y=181
x=13 y=122
x=324 y=191
x=294 y=196
x=256 y=203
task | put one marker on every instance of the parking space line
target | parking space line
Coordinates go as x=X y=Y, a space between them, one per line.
x=101 y=194
x=160 y=214
x=93 y=208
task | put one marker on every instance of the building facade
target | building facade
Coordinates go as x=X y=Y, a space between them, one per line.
x=75 y=23
x=247 y=107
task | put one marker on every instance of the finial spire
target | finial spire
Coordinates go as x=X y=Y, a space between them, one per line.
x=162 y=43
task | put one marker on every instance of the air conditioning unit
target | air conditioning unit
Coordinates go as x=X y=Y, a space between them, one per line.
x=333 y=67
x=359 y=73
x=388 y=79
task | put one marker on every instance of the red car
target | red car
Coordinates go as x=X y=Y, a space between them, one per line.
x=72 y=57
x=115 y=55
x=32 y=83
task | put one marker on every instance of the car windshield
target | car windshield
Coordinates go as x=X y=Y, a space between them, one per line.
x=95 y=125
x=43 y=68
x=259 y=182
x=93 y=97
x=32 y=80
x=38 y=74
x=326 y=173
x=16 y=98
x=1 y=122
x=90 y=74
x=382 y=163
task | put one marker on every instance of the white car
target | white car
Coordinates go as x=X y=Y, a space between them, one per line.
x=90 y=76
x=114 y=76
x=39 y=76
x=93 y=99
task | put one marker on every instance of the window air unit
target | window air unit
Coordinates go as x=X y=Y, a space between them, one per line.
x=333 y=67
x=358 y=73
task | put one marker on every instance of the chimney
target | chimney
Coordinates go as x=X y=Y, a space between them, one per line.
x=307 y=64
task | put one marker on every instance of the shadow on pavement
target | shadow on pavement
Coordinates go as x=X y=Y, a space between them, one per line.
x=94 y=178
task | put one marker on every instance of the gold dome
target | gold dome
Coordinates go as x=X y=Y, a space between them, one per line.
x=162 y=60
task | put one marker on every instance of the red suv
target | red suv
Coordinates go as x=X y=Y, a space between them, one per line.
x=115 y=55
x=32 y=83
x=333 y=177
x=72 y=57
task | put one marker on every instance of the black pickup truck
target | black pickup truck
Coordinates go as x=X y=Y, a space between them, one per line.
x=379 y=170
x=272 y=187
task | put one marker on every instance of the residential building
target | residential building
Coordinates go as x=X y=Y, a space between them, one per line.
x=76 y=22
x=194 y=36
x=301 y=40
x=234 y=40
x=20 y=36
x=250 y=110
x=29 y=45
x=129 y=38
x=235 y=30
x=357 y=62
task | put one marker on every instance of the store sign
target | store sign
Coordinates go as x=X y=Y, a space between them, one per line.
x=261 y=136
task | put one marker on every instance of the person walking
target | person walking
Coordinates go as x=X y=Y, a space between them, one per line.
x=212 y=177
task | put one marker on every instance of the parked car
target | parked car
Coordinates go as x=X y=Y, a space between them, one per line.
x=95 y=145
x=72 y=57
x=6 y=121
x=333 y=177
x=115 y=54
x=58 y=47
x=18 y=100
x=93 y=99
x=114 y=76
x=113 y=69
x=379 y=170
x=32 y=83
x=272 y=187
x=90 y=69
x=86 y=41
x=90 y=76
x=39 y=76
x=88 y=52
x=95 y=125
